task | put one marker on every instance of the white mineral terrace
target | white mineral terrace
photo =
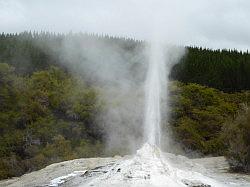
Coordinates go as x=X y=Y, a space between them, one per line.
x=148 y=167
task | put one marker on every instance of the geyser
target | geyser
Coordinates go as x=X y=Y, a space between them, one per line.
x=155 y=81
x=161 y=59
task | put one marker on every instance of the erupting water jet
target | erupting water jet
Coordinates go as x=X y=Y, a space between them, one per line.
x=155 y=81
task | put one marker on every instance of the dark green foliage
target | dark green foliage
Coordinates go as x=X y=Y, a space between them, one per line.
x=236 y=134
x=199 y=114
x=226 y=70
x=45 y=118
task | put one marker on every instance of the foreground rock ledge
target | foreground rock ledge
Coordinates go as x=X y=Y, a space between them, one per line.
x=149 y=167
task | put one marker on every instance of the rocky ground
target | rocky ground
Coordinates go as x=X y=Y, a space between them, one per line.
x=44 y=176
x=149 y=167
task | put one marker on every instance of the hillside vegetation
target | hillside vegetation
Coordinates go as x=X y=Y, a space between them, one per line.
x=226 y=70
x=50 y=113
x=45 y=118
x=200 y=113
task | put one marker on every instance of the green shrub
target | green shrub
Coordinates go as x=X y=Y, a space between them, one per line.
x=45 y=118
x=198 y=114
x=236 y=134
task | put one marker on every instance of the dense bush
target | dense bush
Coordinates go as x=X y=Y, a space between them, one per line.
x=236 y=134
x=199 y=113
x=45 y=118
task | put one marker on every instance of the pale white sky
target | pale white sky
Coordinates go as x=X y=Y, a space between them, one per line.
x=210 y=23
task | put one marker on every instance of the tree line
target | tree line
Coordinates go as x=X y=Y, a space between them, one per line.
x=227 y=70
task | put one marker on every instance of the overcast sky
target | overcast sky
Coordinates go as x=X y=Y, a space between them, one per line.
x=210 y=23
